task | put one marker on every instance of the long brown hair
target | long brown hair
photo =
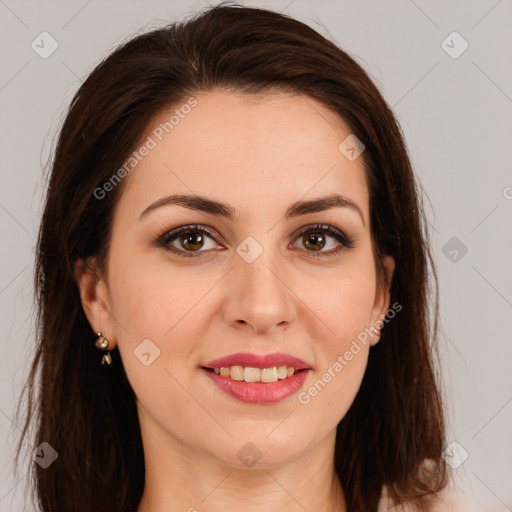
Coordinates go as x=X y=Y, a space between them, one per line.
x=87 y=412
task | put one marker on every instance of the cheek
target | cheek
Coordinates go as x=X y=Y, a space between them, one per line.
x=342 y=306
x=332 y=390
x=153 y=301
x=156 y=324
x=343 y=311
x=342 y=355
x=345 y=306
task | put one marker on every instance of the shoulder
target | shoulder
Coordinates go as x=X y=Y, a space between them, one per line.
x=449 y=500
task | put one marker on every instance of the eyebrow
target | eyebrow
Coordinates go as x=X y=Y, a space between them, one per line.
x=207 y=205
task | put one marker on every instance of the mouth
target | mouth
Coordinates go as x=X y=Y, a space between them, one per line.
x=255 y=378
x=252 y=374
x=257 y=385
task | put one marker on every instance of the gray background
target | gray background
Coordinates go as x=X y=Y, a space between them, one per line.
x=456 y=114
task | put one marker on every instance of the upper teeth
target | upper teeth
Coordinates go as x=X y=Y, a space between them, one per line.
x=249 y=374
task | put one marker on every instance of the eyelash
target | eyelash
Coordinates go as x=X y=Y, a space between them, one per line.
x=169 y=236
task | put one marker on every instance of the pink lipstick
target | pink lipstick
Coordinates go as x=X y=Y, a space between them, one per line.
x=262 y=379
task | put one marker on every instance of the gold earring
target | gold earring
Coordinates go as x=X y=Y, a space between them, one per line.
x=102 y=344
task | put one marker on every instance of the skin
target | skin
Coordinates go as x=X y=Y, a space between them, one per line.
x=265 y=153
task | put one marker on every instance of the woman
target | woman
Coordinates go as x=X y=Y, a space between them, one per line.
x=232 y=280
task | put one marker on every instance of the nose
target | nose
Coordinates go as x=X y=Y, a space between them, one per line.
x=259 y=296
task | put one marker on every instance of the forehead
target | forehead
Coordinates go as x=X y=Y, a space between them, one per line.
x=247 y=150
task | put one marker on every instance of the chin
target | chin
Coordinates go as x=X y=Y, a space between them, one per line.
x=263 y=451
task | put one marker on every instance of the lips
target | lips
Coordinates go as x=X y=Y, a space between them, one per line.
x=219 y=371
x=247 y=359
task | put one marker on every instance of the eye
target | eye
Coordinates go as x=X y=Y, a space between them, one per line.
x=315 y=239
x=188 y=240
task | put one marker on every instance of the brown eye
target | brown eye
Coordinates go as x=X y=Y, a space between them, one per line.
x=316 y=242
x=192 y=241
x=317 y=238
x=186 y=240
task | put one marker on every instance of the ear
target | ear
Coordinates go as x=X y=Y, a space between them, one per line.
x=382 y=296
x=95 y=299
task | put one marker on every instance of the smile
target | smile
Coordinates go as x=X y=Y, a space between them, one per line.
x=249 y=374
x=257 y=391
x=257 y=378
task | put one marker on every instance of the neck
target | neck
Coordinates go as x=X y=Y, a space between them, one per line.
x=189 y=481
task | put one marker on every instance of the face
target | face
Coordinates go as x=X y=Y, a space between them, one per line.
x=258 y=282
